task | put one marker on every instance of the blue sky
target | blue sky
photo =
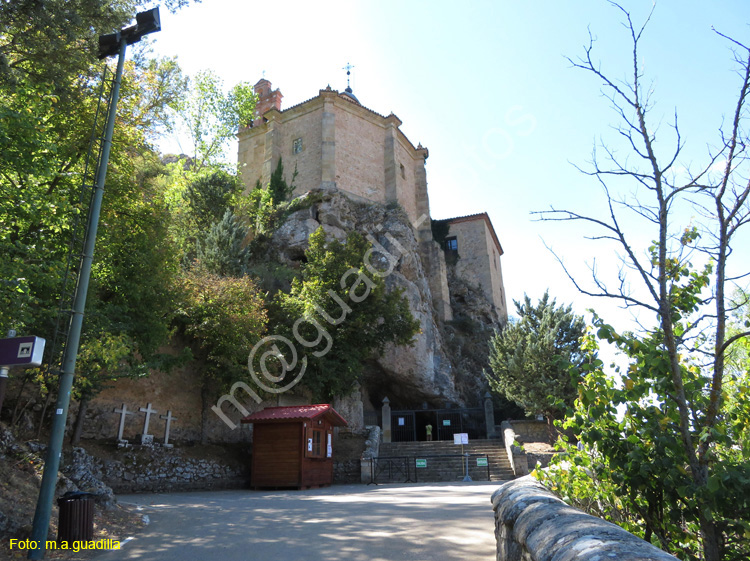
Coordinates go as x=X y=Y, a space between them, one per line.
x=486 y=87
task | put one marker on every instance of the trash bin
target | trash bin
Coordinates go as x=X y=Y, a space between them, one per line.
x=76 y=519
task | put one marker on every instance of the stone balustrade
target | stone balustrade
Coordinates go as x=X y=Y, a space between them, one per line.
x=516 y=456
x=533 y=524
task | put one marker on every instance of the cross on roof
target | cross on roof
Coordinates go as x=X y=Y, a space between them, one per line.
x=348 y=69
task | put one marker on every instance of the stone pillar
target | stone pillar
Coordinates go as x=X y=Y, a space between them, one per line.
x=422 y=201
x=433 y=260
x=386 y=420
x=390 y=163
x=328 y=142
x=489 y=416
x=271 y=143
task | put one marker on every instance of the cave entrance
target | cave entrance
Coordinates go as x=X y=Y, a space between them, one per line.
x=411 y=425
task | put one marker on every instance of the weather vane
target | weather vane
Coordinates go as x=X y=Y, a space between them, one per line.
x=348 y=69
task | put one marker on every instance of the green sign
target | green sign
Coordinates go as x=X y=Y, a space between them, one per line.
x=481 y=462
x=421 y=463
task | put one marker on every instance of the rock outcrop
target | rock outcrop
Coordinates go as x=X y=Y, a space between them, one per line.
x=408 y=375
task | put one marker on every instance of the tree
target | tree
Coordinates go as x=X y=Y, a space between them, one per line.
x=210 y=194
x=211 y=116
x=665 y=455
x=341 y=305
x=223 y=318
x=49 y=90
x=530 y=358
x=222 y=251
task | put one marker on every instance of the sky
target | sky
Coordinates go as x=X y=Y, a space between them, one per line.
x=488 y=88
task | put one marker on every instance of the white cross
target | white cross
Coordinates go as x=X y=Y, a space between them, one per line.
x=168 y=417
x=123 y=413
x=148 y=411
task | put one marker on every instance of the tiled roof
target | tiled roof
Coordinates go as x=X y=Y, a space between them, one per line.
x=296 y=413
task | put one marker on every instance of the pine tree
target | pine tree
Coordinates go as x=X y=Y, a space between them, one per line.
x=222 y=251
x=530 y=358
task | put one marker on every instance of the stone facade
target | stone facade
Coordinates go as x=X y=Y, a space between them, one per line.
x=476 y=257
x=335 y=143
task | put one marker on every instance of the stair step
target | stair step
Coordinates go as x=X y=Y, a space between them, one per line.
x=446 y=468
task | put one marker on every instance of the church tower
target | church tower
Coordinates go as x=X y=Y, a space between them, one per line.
x=335 y=143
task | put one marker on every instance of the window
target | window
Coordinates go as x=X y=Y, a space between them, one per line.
x=451 y=244
x=403 y=171
x=317 y=443
x=297 y=146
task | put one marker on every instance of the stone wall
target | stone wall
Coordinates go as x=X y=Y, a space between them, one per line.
x=336 y=143
x=516 y=456
x=478 y=260
x=143 y=469
x=527 y=430
x=532 y=524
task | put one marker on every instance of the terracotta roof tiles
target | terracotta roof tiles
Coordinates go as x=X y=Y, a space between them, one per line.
x=295 y=413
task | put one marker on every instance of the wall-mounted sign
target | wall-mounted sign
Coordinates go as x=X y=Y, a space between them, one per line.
x=420 y=463
x=309 y=444
x=446 y=422
x=329 y=448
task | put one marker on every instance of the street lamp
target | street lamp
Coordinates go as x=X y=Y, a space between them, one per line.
x=114 y=43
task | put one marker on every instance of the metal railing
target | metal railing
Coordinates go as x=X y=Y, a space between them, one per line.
x=405 y=469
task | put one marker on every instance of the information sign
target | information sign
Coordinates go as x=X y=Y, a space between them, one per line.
x=461 y=438
x=481 y=462
x=421 y=463
x=21 y=351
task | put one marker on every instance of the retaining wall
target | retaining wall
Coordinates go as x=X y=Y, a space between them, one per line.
x=516 y=456
x=533 y=524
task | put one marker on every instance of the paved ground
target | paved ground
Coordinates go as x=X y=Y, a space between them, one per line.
x=430 y=522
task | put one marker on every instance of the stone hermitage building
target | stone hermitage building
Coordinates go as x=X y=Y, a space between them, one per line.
x=363 y=171
x=337 y=144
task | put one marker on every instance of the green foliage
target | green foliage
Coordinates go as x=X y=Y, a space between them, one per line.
x=278 y=188
x=440 y=230
x=223 y=251
x=343 y=311
x=530 y=358
x=211 y=116
x=49 y=92
x=210 y=195
x=267 y=208
x=632 y=466
x=223 y=318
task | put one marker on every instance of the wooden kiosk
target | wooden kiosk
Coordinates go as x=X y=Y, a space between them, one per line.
x=293 y=446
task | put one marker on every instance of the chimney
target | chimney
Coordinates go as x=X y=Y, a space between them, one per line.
x=267 y=99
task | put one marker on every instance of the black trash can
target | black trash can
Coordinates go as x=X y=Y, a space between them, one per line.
x=76 y=520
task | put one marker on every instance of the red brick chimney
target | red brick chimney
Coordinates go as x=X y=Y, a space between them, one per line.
x=267 y=99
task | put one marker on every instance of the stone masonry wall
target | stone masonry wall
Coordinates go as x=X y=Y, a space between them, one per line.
x=532 y=524
x=528 y=430
x=478 y=261
x=153 y=470
x=360 y=145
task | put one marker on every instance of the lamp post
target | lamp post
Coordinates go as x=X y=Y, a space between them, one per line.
x=115 y=43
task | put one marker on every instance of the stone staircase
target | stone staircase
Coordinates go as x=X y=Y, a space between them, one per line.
x=441 y=461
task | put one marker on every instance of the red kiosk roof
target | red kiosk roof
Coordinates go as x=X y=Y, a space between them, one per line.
x=294 y=413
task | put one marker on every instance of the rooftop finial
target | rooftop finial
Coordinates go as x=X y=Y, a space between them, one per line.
x=348 y=69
